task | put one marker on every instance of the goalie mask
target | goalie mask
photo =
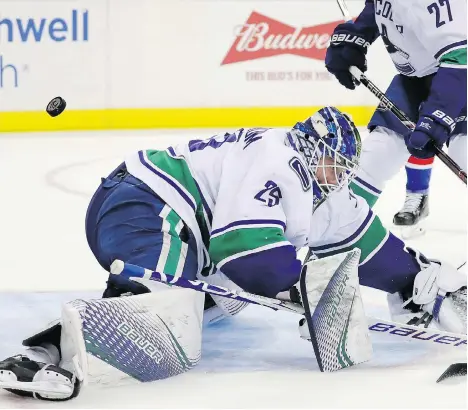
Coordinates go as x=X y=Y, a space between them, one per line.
x=330 y=144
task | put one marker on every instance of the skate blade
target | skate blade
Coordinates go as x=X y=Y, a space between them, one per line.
x=56 y=390
x=410 y=231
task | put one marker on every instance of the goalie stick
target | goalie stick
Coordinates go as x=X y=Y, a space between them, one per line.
x=388 y=104
x=456 y=369
x=376 y=325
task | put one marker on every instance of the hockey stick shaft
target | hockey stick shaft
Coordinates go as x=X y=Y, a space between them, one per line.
x=377 y=325
x=128 y=270
x=344 y=10
x=385 y=101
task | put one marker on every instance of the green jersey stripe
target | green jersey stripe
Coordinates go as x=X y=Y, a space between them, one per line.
x=373 y=238
x=242 y=240
x=178 y=169
x=454 y=57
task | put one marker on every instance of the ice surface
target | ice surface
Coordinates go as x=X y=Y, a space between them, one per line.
x=254 y=360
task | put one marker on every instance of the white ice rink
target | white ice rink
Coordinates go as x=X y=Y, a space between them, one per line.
x=255 y=360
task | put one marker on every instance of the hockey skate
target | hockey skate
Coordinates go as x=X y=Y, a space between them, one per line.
x=28 y=378
x=410 y=220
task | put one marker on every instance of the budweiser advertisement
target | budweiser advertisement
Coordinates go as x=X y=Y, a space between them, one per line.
x=262 y=36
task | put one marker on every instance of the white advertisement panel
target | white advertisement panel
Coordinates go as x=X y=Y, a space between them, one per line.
x=49 y=48
x=233 y=53
x=174 y=53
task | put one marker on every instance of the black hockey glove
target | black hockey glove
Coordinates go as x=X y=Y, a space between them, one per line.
x=348 y=47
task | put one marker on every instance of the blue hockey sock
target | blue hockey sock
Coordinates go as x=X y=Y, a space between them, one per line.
x=418 y=175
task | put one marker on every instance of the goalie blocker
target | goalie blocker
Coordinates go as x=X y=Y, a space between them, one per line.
x=334 y=320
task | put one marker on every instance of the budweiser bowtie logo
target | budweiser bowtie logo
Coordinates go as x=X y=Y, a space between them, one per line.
x=262 y=37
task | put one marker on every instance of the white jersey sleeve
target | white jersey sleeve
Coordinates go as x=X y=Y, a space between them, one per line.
x=344 y=222
x=263 y=211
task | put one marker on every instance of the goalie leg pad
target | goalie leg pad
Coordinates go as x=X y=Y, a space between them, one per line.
x=335 y=317
x=150 y=337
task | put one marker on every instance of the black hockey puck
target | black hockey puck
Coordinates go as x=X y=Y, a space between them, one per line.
x=56 y=106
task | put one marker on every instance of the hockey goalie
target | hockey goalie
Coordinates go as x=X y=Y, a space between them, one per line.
x=232 y=211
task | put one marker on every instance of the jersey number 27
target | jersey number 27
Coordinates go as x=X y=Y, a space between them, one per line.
x=436 y=8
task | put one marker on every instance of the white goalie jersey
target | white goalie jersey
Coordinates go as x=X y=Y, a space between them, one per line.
x=248 y=198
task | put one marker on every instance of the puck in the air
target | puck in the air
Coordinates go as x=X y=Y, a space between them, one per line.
x=56 y=106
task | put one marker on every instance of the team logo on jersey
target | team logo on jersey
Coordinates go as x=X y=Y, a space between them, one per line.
x=269 y=195
x=262 y=36
x=304 y=176
x=252 y=135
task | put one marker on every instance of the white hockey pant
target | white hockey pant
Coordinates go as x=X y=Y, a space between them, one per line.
x=384 y=153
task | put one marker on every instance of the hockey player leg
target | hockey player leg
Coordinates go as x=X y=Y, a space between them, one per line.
x=334 y=314
x=127 y=220
x=410 y=220
x=457 y=150
x=384 y=152
x=383 y=155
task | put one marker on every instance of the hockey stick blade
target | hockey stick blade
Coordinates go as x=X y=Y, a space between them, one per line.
x=456 y=369
x=397 y=330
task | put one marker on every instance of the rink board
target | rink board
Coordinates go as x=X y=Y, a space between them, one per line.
x=152 y=118
x=124 y=64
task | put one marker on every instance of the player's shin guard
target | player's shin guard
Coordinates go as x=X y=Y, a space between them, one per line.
x=335 y=319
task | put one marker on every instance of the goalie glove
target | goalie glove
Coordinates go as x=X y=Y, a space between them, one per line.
x=439 y=290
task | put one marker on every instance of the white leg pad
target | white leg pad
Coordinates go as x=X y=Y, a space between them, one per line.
x=147 y=337
x=335 y=316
